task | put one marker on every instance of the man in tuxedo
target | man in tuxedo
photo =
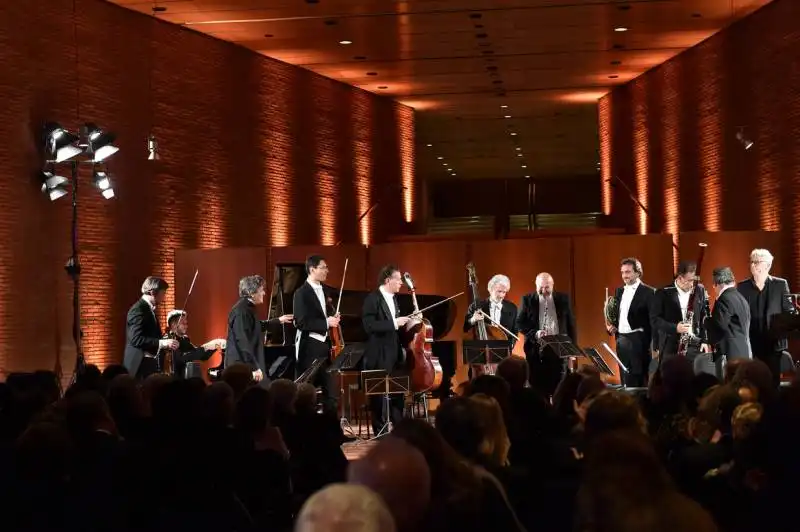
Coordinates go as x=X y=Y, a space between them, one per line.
x=312 y=320
x=545 y=313
x=188 y=353
x=767 y=297
x=244 y=344
x=728 y=327
x=496 y=307
x=632 y=329
x=143 y=332
x=382 y=322
x=668 y=319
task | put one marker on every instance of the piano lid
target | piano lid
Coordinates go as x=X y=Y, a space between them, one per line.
x=288 y=277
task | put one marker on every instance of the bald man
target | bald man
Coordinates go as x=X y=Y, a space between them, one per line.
x=345 y=508
x=545 y=313
x=398 y=473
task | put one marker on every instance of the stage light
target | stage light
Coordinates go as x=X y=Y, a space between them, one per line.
x=60 y=143
x=54 y=186
x=746 y=142
x=152 y=148
x=99 y=143
x=103 y=183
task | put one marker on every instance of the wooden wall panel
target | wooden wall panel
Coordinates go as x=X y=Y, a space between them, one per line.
x=597 y=265
x=731 y=248
x=335 y=256
x=216 y=288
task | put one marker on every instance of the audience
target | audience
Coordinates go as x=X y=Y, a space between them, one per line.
x=113 y=453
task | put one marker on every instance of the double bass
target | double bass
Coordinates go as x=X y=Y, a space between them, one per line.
x=426 y=371
x=482 y=331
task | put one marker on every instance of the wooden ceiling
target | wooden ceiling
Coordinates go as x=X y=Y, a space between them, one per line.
x=503 y=88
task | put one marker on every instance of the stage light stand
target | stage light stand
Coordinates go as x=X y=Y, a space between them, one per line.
x=73 y=269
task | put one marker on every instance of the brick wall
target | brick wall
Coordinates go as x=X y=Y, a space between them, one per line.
x=670 y=136
x=251 y=149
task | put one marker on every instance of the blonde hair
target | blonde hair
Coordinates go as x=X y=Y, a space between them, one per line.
x=495 y=444
x=745 y=418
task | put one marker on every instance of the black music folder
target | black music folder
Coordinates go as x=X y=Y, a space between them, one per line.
x=561 y=345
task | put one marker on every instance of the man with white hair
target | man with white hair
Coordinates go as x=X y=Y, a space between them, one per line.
x=767 y=296
x=496 y=307
x=345 y=508
x=545 y=313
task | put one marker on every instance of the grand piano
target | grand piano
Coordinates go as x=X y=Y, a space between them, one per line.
x=279 y=339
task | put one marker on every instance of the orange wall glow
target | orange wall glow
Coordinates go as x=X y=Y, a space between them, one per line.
x=640 y=151
x=362 y=162
x=405 y=132
x=605 y=128
x=671 y=150
x=278 y=157
x=710 y=129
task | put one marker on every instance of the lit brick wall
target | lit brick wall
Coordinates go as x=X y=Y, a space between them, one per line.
x=251 y=150
x=670 y=135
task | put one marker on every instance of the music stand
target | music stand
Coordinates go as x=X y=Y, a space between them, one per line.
x=598 y=361
x=618 y=361
x=379 y=382
x=348 y=359
x=484 y=352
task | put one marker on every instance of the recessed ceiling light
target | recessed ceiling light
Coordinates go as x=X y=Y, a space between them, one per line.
x=345 y=42
x=503 y=107
x=440 y=158
x=429 y=145
x=528 y=176
x=444 y=164
x=524 y=166
x=620 y=29
x=507 y=116
x=518 y=148
x=519 y=155
x=383 y=87
x=513 y=134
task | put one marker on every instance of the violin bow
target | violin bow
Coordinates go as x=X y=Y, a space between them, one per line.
x=341 y=289
x=191 y=287
x=435 y=305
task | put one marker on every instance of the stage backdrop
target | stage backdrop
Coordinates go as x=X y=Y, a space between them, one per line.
x=581 y=266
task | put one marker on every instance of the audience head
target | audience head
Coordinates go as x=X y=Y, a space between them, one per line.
x=610 y=411
x=459 y=424
x=754 y=381
x=345 y=508
x=495 y=445
x=218 y=404
x=494 y=387
x=283 y=394
x=252 y=411
x=399 y=473
x=514 y=370
x=239 y=377
x=113 y=370
x=306 y=401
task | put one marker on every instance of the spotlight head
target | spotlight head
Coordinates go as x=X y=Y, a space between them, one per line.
x=103 y=183
x=53 y=186
x=99 y=143
x=744 y=141
x=59 y=143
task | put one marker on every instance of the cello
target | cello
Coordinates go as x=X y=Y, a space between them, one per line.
x=426 y=371
x=481 y=331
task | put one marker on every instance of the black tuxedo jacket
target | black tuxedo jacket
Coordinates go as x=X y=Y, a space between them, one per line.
x=142 y=334
x=508 y=316
x=665 y=314
x=244 y=343
x=188 y=352
x=528 y=319
x=778 y=302
x=728 y=327
x=383 y=346
x=309 y=316
x=639 y=311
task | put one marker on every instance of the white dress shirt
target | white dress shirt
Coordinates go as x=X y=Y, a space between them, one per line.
x=389 y=298
x=625 y=306
x=683 y=299
x=495 y=308
x=321 y=298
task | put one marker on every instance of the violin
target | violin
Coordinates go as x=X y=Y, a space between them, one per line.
x=168 y=356
x=426 y=371
x=482 y=330
x=337 y=339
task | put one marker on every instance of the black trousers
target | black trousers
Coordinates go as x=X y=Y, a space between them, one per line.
x=546 y=369
x=635 y=354
x=773 y=361
x=149 y=366
x=313 y=350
